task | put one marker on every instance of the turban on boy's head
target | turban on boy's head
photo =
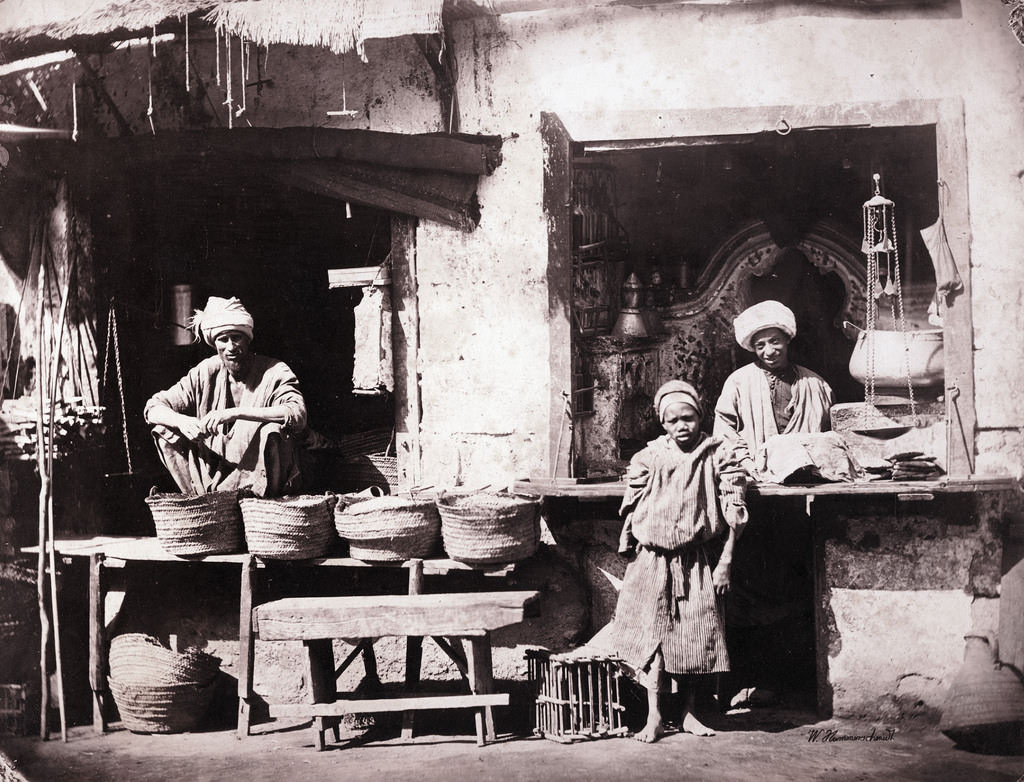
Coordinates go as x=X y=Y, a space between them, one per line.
x=219 y=316
x=677 y=391
x=766 y=315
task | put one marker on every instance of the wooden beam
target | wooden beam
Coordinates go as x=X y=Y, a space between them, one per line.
x=316 y=178
x=558 y=211
x=405 y=330
x=369 y=705
x=456 y=614
x=958 y=319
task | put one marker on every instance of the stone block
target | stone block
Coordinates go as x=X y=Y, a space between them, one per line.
x=899 y=650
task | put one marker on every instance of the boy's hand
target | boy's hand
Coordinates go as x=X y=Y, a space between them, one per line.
x=721 y=576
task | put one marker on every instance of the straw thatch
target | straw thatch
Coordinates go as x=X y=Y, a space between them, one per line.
x=340 y=25
x=67 y=18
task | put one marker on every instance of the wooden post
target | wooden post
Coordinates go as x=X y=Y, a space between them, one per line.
x=478 y=663
x=97 y=643
x=322 y=686
x=413 y=650
x=246 y=648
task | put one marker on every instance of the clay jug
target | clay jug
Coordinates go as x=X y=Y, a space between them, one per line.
x=984 y=711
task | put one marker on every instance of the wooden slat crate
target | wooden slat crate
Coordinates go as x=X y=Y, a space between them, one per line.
x=12 y=710
x=577 y=697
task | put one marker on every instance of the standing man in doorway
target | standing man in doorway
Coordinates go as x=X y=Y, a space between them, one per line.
x=769 y=615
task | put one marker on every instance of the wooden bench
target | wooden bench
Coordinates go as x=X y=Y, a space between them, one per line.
x=469 y=617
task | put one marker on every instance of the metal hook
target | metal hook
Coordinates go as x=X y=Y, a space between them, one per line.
x=782 y=127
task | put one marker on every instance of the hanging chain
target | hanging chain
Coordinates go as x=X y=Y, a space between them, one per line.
x=112 y=340
x=903 y=323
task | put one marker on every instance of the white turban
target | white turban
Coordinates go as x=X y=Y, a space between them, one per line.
x=219 y=316
x=766 y=315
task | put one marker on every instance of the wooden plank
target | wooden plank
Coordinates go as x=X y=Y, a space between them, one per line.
x=958 y=320
x=913 y=489
x=464 y=614
x=360 y=706
x=131 y=548
x=557 y=205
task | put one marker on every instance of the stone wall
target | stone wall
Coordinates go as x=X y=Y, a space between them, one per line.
x=900 y=585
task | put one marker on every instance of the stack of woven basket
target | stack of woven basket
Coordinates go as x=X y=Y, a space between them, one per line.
x=158 y=690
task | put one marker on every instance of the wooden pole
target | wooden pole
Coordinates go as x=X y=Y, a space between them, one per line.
x=44 y=620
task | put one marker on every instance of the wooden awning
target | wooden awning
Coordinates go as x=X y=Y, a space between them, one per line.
x=431 y=176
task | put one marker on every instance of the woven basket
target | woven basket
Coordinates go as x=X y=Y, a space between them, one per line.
x=161 y=708
x=197 y=524
x=299 y=527
x=389 y=529
x=139 y=659
x=489 y=528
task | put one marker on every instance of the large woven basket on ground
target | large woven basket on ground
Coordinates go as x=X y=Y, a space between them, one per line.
x=298 y=527
x=158 y=690
x=188 y=524
x=161 y=708
x=489 y=528
x=136 y=658
x=389 y=529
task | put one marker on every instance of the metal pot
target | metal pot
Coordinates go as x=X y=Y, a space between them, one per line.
x=926 y=358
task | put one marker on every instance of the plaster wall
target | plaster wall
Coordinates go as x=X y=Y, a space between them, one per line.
x=699 y=57
x=484 y=296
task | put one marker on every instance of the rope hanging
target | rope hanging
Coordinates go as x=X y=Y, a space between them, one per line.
x=113 y=341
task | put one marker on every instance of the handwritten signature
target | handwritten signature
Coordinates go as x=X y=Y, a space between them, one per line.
x=828 y=735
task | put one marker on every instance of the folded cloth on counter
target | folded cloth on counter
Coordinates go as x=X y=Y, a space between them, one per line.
x=815 y=457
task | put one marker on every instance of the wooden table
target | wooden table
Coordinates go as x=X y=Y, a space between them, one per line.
x=106 y=551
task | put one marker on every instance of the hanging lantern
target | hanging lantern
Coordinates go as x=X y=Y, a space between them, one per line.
x=880 y=247
x=879 y=222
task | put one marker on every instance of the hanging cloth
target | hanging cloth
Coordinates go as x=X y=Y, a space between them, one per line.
x=947 y=278
x=372 y=372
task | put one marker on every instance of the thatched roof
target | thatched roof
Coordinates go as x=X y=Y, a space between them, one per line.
x=340 y=25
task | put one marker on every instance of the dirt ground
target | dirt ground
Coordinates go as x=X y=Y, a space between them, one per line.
x=754 y=746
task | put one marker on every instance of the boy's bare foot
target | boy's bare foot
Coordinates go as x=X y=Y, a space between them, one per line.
x=652 y=732
x=693 y=725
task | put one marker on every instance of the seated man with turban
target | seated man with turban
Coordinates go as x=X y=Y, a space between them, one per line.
x=770 y=629
x=232 y=422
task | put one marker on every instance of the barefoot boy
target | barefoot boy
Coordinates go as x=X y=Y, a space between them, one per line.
x=684 y=509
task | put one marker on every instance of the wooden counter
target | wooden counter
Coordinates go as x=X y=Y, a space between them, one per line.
x=570 y=487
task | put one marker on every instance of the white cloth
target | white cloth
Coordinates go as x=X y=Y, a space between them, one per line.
x=744 y=412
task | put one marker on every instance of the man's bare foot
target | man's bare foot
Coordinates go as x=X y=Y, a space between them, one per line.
x=652 y=732
x=693 y=725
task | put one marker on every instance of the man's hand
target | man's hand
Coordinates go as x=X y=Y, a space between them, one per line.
x=215 y=420
x=722 y=576
x=189 y=428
